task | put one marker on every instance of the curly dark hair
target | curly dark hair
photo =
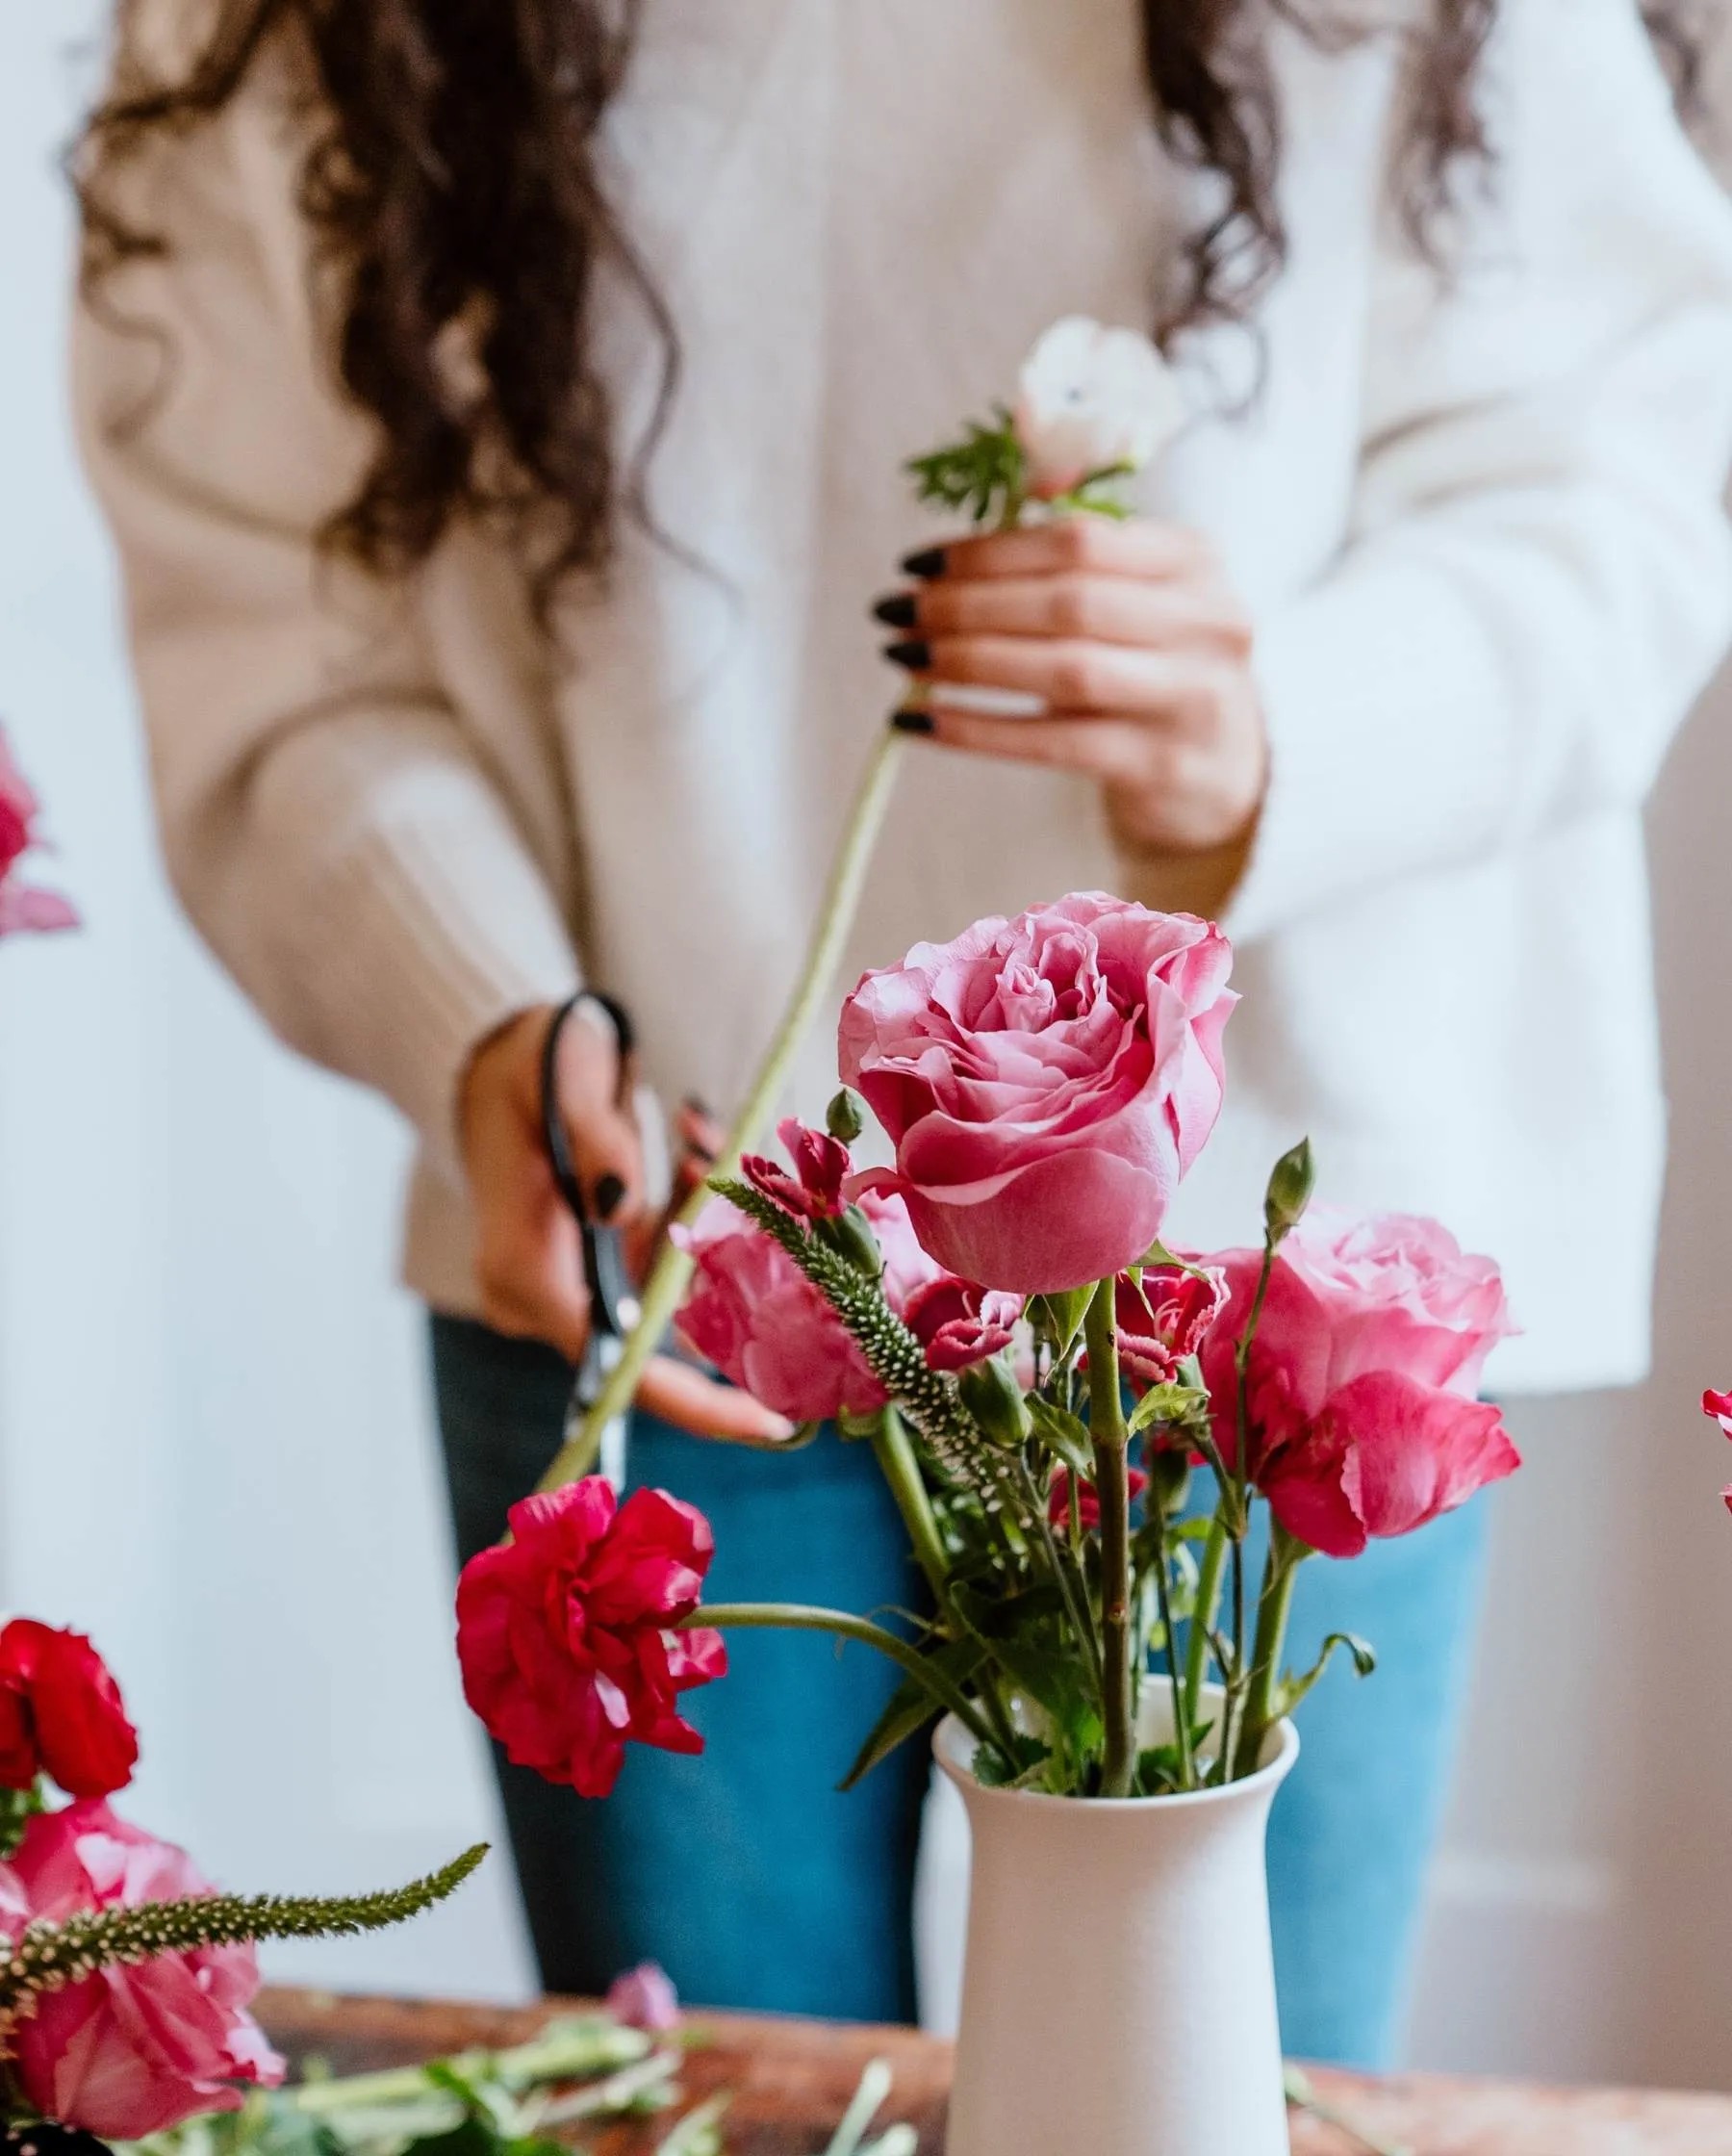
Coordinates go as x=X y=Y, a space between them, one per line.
x=452 y=178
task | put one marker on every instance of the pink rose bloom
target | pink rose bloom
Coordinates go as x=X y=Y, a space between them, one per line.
x=1363 y=1377
x=1045 y=1083
x=644 y=1998
x=22 y=907
x=129 y=2051
x=568 y=1635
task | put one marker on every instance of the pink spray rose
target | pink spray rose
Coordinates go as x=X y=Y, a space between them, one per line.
x=1362 y=1377
x=644 y=1998
x=130 y=2050
x=567 y=1634
x=1045 y=1083
x=22 y=907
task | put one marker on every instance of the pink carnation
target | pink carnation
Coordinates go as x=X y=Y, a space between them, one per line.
x=130 y=2050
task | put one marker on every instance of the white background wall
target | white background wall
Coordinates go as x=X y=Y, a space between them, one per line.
x=214 y=1448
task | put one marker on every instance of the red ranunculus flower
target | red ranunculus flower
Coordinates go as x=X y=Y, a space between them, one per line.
x=1362 y=1377
x=567 y=1633
x=128 y=2051
x=1088 y=1501
x=60 y=1714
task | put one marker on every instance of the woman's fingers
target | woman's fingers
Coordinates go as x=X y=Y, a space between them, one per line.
x=706 y=1407
x=1069 y=674
x=1137 y=547
x=1079 y=605
x=596 y=1099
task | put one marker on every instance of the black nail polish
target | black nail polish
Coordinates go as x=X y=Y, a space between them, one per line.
x=610 y=1189
x=914 y=654
x=698 y=1106
x=899 y=611
x=928 y=562
x=911 y=722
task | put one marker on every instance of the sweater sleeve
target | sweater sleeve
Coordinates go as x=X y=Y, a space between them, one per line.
x=1539 y=574
x=329 y=827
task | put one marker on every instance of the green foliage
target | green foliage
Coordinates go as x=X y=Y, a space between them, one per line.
x=846 y=1117
x=984 y=476
x=1291 y=1182
x=17 y=1808
x=45 y=1956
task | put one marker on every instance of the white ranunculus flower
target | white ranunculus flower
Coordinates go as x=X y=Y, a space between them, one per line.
x=1091 y=398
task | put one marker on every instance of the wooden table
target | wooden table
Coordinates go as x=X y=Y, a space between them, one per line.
x=791 y=2081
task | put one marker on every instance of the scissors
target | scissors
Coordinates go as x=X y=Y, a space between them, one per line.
x=613 y=1303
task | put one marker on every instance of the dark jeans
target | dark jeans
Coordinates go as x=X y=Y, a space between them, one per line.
x=758 y=1885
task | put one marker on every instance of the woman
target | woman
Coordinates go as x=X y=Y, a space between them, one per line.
x=484 y=652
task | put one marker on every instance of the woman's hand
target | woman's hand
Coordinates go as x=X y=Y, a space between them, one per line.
x=528 y=1257
x=1131 y=636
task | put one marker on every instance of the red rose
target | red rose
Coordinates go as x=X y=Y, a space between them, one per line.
x=568 y=1635
x=1362 y=1377
x=131 y=2050
x=60 y=1714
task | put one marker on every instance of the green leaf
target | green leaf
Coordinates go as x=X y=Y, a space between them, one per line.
x=910 y=1708
x=1064 y=1433
x=993 y=1771
x=1060 y=1315
x=1173 y=1403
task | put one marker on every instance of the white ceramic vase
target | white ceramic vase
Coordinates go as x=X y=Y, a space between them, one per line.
x=1118 y=1991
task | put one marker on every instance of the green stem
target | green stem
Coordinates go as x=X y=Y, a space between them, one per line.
x=1113 y=1487
x=1182 y=1735
x=672 y=1269
x=893 y=1451
x=798 y=1617
x=1274 y=1606
x=1208 y=1608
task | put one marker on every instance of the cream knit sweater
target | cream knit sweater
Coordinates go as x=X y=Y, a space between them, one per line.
x=1477 y=521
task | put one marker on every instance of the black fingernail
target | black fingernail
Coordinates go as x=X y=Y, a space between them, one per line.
x=610 y=1189
x=911 y=722
x=698 y=1107
x=928 y=562
x=899 y=611
x=913 y=652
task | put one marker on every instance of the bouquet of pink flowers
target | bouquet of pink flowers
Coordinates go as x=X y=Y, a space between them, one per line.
x=995 y=1314
x=1039 y=1376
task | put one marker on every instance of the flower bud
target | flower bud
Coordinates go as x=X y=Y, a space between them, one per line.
x=845 y=1119
x=1289 y=1191
x=992 y=1395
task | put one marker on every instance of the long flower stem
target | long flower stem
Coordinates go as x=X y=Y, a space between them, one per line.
x=1274 y=1608
x=1181 y=1728
x=1113 y=1487
x=798 y=1617
x=672 y=1269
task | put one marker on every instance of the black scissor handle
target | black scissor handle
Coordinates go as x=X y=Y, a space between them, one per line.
x=603 y=1259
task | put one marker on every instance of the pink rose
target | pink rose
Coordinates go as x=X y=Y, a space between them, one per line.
x=1045 y=1082
x=568 y=1635
x=1362 y=1377
x=21 y=907
x=134 y=2050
